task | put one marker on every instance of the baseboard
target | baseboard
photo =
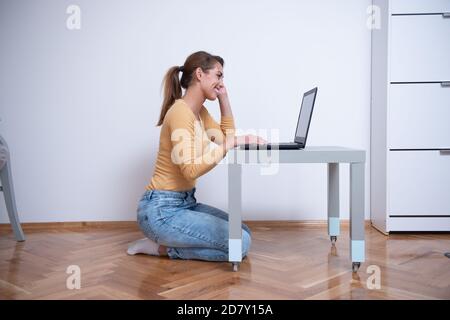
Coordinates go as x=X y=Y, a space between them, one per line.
x=132 y=224
x=71 y=224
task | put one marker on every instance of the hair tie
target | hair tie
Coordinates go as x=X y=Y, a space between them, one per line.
x=181 y=68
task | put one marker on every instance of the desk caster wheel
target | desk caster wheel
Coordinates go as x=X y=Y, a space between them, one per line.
x=235 y=266
x=355 y=266
x=333 y=240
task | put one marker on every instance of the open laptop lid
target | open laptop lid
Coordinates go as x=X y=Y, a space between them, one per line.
x=304 y=118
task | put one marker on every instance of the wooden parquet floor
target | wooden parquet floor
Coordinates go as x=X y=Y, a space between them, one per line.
x=286 y=261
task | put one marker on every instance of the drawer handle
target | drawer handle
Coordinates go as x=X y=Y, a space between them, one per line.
x=446 y=15
x=445 y=84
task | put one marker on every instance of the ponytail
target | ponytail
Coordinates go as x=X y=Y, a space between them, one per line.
x=172 y=91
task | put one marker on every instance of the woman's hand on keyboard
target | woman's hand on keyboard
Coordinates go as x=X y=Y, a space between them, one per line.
x=233 y=141
x=250 y=139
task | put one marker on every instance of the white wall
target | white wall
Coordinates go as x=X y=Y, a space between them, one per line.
x=78 y=108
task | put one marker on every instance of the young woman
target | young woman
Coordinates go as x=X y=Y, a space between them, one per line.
x=191 y=144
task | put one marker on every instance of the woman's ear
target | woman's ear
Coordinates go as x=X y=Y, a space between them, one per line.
x=198 y=73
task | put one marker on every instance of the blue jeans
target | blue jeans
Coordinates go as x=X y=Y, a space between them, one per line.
x=188 y=229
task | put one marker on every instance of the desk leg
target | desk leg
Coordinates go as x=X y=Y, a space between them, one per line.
x=333 y=201
x=235 y=214
x=357 y=243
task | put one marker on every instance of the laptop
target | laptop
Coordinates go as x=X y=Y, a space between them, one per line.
x=301 y=133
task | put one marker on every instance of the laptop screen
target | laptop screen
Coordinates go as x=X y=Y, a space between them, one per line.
x=304 y=118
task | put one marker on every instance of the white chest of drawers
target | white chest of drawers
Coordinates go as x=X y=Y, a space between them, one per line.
x=410 y=116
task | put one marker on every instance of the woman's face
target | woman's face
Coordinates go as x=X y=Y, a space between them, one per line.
x=210 y=81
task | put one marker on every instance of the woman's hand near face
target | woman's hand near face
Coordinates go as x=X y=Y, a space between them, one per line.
x=224 y=102
x=221 y=91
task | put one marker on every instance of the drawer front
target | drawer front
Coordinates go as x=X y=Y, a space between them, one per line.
x=418 y=183
x=420 y=48
x=419 y=6
x=419 y=224
x=419 y=116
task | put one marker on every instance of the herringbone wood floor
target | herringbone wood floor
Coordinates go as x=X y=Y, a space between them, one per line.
x=286 y=261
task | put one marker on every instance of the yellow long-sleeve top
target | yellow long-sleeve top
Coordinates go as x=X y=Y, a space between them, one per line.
x=188 y=148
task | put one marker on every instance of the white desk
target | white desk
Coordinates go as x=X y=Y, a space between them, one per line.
x=333 y=156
